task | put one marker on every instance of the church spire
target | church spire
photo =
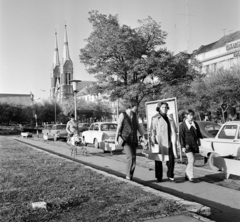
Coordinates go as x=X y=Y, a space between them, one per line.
x=66 y=55
x=56 y=61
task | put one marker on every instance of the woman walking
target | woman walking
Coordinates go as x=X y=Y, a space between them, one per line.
x=189 y=137
x=163 y=135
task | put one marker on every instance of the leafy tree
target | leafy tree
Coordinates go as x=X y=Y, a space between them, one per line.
x=115 y=55
x=126 y=61
x=221 y=87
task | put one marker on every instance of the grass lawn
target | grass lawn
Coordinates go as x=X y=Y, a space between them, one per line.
x=72 y=192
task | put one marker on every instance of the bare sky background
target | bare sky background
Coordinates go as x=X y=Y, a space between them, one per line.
x=27 y=30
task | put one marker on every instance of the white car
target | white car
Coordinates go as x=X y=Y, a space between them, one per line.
x=102 y=135
x=225 y=143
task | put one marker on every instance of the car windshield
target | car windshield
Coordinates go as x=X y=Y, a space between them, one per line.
x=228 y=132
x=108 y=127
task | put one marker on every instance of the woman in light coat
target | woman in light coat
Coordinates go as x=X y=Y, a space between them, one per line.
x=163 y=138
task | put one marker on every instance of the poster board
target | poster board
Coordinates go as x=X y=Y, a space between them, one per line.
x=151 y=111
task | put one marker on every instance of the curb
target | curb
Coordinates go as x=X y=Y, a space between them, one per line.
x=198 y=211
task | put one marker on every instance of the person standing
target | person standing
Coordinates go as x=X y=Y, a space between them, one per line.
x=189 y=137
x=72 y=127
x=126 y=136
x=163 y=135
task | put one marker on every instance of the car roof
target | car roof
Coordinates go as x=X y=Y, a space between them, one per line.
x=204 y=123
x=232 y=122
x=104 y=123
x=59 y=124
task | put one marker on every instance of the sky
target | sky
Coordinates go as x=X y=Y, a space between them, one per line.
x=27 y=33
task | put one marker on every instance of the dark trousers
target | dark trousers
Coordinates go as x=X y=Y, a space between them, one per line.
x=130 y=150
x=170 y=165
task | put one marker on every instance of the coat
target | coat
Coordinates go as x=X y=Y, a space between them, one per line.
x=187 y=138
x=159 y=142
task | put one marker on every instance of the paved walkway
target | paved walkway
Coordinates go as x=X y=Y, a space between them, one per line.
x=224 y=202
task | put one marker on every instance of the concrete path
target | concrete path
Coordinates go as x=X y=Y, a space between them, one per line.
x=224 y=202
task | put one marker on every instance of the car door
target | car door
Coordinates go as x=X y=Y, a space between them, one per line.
x=227 y=141
x=88 y=134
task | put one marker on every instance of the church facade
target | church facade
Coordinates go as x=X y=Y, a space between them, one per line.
x=61 y=72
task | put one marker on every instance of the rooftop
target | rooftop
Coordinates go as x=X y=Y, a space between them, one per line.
x=220 y=43
x=20 y=99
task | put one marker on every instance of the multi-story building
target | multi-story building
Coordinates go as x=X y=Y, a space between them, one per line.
x=224 y=53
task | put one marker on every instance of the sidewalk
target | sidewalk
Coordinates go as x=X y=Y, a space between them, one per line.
x=224 y=202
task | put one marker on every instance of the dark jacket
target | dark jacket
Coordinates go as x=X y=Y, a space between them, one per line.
x=129 y=128
x=189 y=138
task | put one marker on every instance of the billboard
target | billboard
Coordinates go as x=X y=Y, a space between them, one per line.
x=151 y=111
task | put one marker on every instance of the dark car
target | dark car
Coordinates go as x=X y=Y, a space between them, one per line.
x=28 y=128
x=208 y=129
x=83 y=127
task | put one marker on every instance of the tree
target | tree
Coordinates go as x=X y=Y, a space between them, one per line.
x=115 y=55
x=218 y=90
x=126 y=60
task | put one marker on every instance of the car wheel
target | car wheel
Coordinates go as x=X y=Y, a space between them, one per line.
x=211 y=161
x=96 y=144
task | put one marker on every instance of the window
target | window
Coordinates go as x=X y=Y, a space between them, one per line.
x=96 y=127
x=212 y=129
x=228 y=132
x=61 y=127
x=104 y=127
x=113 y=127
x=239 y=133
x=91 y=127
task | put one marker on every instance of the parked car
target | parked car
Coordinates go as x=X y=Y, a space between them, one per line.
x=83 y=126
x=102 y=135
x=225 y=143
x=55 y=131
x=46 y=129
x=28 y=128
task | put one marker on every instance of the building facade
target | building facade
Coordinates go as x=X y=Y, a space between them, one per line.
x=61 y=73
x=224 y=53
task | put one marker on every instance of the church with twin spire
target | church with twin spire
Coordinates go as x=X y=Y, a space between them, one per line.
x=61 y=72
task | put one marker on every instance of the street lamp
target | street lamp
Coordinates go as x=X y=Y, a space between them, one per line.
x=35 y=116
x=75 y=90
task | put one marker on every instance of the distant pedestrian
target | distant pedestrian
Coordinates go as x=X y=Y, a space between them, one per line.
x=163 y=135
x=126 y=136
x=189 y=137
x=71 y=127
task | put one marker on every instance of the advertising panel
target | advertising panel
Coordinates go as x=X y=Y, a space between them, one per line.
x=151 y=111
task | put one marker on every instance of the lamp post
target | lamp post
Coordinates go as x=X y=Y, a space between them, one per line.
x=74 y=84
x=35 y=115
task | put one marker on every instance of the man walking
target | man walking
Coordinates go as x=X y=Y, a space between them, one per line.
x=126 y=136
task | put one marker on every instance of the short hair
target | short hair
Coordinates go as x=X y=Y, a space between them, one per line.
x=72 y=115
x=189 y=111
x=160 y=104
x=130 y=104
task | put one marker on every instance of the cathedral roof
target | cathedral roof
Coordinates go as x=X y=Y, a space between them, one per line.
x=56 y=61
x=66 y=55
x=18 y=99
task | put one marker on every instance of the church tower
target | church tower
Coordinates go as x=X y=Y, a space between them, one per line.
x=66 y=89
x=55 y=72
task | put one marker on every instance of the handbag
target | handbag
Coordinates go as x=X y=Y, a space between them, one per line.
x=121 y=141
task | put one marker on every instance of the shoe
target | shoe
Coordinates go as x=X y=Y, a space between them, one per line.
x=159 y=179
x=187 y=178
x=129 y=178
x=171 y=179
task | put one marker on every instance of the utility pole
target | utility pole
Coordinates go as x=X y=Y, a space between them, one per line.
x=187 y=24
